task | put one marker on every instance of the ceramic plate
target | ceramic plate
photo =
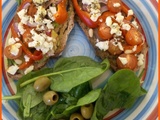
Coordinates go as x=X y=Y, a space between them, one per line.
x=145 y=107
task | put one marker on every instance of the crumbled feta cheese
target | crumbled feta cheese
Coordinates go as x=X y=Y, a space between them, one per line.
x=115 y=29
x=41 y=42
x=48 y=23
x=26 y=58
x=12 y=69
x=120 y=46
x=41 y=12
x=29 y=69
x=95 y=15
x=134 y=48
x=126 y=27
x=103 y=45
x=90 y=32
x=123 y=60
x=109 y=21
x=11 y=41
x=15 y=48
x=50 y=12
x=116 y=5
x=119 y=17
x=18 y=61
x=21 y=28
x=140 y=59
x=128 y=51
x=130 y=12
x=135 y=23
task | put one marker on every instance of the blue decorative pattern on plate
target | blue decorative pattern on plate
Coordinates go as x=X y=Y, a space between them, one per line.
x=145 y=107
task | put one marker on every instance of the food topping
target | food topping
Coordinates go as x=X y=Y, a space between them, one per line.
x=32 y=32
x=117 y=29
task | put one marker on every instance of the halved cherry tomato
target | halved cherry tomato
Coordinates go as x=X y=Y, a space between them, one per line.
x=130 y=59
x=61 y=15
x=84 y=16
x=103 y=17
x=8 y=54
x=114 y=5
x=114 y=48
x=134 y=37
x=104 y=32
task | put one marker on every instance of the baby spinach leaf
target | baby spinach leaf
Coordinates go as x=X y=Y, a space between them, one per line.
x=66 y=81
x=121 y=91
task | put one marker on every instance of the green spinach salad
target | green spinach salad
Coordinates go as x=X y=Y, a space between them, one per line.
x=64 y=91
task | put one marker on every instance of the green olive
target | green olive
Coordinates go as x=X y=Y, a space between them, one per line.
x=41 y=84
x=76 y=116
x=50 y=98
x=87 y=111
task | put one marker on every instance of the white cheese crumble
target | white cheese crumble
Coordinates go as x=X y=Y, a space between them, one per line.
x=140 y=59
x=103 y=45
x=123 y=60
x=22 y=15
x=130 y=12
x=50 y=12
x=115 y=29
x=120 y=46
x=12 y=69
x=116 y=5
x=41 y=12
x=126 y=27
x=41 y=42
x=135 y=23
x=21 y=28
x=109 y=21
x=26 y=58
x=18 y=61
x=119 y=17
x=29 y=69
x=15 y=48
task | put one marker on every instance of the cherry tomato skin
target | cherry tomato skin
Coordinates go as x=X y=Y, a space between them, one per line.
x=134 y=37
x=111 y=4
x=131 y=61
x=113 y=48
x=104 y=32
x=8 y=54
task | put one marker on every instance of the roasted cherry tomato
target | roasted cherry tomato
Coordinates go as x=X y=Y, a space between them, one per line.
x=32 y=9
x=84 y=16
x=61 y=15
x=114 y=47
x=104 y=32
x=103 y=17
x=127 y=61
x=134 y=37
x=8 y=54
x=114 y=5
